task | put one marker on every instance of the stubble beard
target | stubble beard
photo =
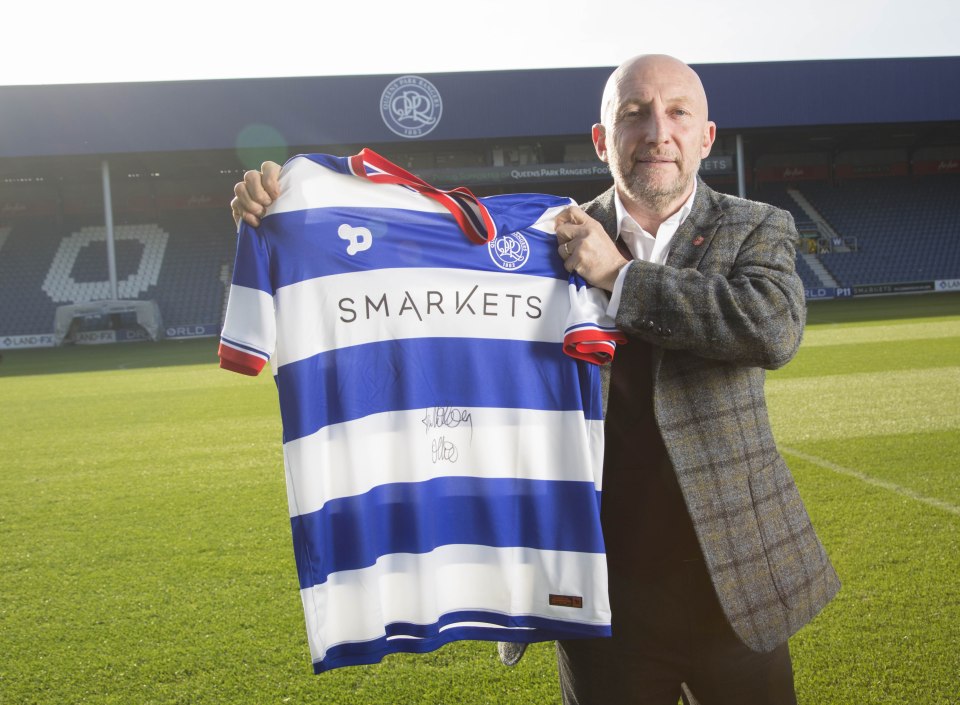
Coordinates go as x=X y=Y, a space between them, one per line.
x=650 y=192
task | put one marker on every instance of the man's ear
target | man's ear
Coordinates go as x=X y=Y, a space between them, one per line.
x=709 y=135
x=599 y=135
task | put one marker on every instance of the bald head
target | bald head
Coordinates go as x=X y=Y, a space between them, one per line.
x=653 y=132
x=651 y=69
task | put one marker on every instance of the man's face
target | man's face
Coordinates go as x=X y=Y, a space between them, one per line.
x=654 y=132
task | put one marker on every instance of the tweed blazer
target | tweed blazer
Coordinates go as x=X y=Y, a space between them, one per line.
x=727 y=305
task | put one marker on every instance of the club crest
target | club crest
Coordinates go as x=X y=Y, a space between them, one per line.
x=509 y=251
x=411 y=106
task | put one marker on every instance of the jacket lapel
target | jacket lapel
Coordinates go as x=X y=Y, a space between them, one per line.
x=693 y=238
x=603 y=210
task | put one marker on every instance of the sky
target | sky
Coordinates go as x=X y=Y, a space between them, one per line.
x=100 y=41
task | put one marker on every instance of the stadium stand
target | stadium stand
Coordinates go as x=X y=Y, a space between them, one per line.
x=778 y=195
x=906 y=229
x=190 y=290
x=809 y=277
x=24 y=261
x=179 y=261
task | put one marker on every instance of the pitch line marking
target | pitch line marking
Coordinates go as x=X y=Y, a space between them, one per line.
x=863 y=477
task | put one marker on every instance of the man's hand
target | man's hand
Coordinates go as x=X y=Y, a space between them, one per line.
x=257 y=191
x=587 y=249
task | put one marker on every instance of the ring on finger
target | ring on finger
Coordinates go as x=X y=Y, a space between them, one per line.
x=566 y=249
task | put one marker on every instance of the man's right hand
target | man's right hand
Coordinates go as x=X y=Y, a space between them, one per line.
x=257 y=191
x=587 y=249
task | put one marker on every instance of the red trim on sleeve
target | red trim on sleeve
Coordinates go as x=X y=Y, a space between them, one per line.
x=240 y=362
x=593 y=345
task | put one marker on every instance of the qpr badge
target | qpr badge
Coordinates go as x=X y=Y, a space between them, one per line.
x=509 y=251
x=411 y=106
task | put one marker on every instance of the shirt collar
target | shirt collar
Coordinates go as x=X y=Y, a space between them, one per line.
x=625 y=220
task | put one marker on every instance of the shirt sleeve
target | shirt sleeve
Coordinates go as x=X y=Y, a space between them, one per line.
x=248 y=338
x=591 y=333
x=614 y=303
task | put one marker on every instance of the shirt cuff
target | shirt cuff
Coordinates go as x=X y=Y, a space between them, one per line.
x=614 y=303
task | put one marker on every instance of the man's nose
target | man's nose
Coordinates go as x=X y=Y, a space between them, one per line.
x=657 y=131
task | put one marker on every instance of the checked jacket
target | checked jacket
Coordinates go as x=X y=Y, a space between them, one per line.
x=726 y=306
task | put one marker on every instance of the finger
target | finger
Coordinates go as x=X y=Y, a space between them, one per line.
x=571 y=232
x=270 y=179
x=238 y=213
x=563 y=216
x=566 y=232
x=246 y=202
x=253 y=184
x=572 y=223
x=571 y=215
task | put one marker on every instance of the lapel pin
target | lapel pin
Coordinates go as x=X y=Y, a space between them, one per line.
x=698 y=240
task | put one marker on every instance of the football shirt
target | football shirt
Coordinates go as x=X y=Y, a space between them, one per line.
x=441 y=409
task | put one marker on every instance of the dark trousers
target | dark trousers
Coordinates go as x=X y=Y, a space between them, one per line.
x=667 y=631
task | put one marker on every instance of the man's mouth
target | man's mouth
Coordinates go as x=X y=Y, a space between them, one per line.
x=656 y=160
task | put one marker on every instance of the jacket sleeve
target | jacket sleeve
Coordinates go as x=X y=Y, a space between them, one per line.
x=744 y=303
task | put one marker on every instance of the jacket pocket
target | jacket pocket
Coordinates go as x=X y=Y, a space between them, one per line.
x=796 y=558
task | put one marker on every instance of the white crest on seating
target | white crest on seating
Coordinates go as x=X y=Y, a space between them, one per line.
x=61 y=286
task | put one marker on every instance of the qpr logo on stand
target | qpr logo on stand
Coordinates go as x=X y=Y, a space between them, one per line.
x=411 y=106
x=509 y=251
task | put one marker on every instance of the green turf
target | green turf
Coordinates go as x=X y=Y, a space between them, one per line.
x=875 y=389
x=145 y=552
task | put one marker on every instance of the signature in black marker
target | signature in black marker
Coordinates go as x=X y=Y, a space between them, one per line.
x=442 y=449
x=447 y=417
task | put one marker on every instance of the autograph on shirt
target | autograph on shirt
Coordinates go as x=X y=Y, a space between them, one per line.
x=442 y=449
x=446 y=417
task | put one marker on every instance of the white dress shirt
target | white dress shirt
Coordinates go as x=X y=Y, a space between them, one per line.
x=641 y=244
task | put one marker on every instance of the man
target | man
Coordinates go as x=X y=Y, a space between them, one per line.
x=712 y=560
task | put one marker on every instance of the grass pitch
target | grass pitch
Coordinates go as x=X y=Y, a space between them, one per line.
x=145 y=552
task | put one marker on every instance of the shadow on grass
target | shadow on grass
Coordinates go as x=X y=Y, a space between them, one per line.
x=93 y=358
x=882 y=308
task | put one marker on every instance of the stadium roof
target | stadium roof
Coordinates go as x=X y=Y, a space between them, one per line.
x=118 y=118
